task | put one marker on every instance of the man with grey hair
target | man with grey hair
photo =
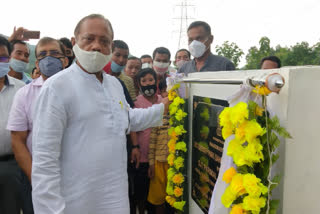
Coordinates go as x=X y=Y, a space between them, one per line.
x=79 y=133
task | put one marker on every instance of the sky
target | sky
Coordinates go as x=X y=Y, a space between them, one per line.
x=147 y=24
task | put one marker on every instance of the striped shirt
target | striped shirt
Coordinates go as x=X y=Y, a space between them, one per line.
x=7 y=94
x=128 y=81
x=159 y=138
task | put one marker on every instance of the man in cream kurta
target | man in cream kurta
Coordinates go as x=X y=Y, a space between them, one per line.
x=79 y=135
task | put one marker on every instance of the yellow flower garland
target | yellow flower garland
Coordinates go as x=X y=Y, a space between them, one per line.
x=247 y=148
x=176 y=150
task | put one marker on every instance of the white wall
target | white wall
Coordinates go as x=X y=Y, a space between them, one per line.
x=298 y=108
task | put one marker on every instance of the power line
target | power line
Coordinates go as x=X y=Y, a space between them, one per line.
x=184 y=19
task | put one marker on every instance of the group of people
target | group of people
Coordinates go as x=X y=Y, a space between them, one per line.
x=88 y=132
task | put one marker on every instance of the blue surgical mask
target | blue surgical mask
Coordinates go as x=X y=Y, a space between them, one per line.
x=115 y=68
x=18 y=65
x=50 y=66
x=4 y=68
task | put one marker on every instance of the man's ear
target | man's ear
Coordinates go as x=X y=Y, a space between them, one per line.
x=37 y=65
x=65 y=62
x=73 y=41
x=211 y=39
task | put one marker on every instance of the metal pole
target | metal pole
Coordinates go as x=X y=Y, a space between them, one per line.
x=213 y=81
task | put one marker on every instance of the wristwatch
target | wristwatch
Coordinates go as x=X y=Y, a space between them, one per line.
x=136 y=146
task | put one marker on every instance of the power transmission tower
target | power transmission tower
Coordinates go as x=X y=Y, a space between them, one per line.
x=186 y=10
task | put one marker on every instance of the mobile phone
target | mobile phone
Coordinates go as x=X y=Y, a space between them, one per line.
x=31 y=34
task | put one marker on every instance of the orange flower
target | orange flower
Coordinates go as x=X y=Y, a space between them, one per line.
x=170 y=200
x=170 y=159
x=172 y=145
x=178 y=178
x=178 y=191
x=228 y=175
x=174 y=135
x=172 y=148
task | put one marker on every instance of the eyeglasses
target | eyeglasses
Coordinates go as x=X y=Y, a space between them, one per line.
x=52 y=53
x=4 y=59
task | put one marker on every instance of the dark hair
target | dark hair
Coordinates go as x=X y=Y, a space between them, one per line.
x=145 y=56
x=161 y=50
x=273 y=59
x=4 y=42
x=119 y=44
x=92 y=16
x=66 y=42
x=205 y=25
x=134 y=58
x=33 y=70
x=188 y=52
x=46 y=40
x=162 y=84
x=143 y=72
x=14 y=42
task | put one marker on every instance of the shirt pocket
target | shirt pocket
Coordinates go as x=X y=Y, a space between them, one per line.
x=120 y=111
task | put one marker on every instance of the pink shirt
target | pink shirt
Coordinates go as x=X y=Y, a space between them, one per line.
x=143 y=137
x=20 y=117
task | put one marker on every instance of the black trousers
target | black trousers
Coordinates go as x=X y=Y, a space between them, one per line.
x=25 y=191
x=10 y=197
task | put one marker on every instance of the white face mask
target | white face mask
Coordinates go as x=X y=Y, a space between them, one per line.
x=197 y=48
x=161 y=67
x=18 y=65
x=146 y=65
x=91 y=61
x=180 y=63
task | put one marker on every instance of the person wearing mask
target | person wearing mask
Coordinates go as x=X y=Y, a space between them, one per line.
x=51 y=58
x=68 y=47
x=19 y=60
x=200 y=40
x=161 y=62
x=270 y=62
x=146 y=61
x=147 y=80
x=120 y=52
x=79 y=161
x=132 y=68
x=182 y=56
x=10 y=197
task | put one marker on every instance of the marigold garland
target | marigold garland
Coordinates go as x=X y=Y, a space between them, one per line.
x=177 y=149
x=252 y=149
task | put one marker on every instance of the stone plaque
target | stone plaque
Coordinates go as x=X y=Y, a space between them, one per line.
x=207 y=148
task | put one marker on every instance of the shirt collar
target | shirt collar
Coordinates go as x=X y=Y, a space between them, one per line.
x=26 y=79
x=205 y=63
x=38 y=82
x=7 y=80
x=93 y=77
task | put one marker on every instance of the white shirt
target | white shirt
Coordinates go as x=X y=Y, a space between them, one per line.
x=7 y=93
x=79 y=144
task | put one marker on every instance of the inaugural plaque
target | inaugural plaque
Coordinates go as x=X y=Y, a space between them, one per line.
x=207 y=148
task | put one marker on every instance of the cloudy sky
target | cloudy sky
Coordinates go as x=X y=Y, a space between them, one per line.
x=147 y=24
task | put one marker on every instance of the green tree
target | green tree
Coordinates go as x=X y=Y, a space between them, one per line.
x=282 y=53
x=255 y=54
x=231 y=51
x=316 y=50
x=300 y=54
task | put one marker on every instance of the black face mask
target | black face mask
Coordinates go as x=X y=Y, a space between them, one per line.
x=149 y=90
x=70 y=58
